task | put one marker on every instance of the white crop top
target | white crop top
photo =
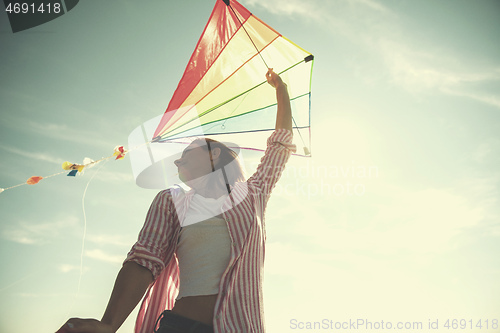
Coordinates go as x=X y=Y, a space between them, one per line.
x=204 y=248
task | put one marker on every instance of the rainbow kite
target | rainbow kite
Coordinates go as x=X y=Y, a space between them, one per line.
x=224 y=89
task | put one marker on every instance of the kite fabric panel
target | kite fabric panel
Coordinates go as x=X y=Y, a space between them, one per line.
x=224 y=90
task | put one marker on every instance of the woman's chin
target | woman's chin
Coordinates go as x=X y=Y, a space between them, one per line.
x=184 y=178
x=189 y=181
x=195 y=182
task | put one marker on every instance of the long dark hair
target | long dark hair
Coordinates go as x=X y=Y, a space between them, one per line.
x=229 y=163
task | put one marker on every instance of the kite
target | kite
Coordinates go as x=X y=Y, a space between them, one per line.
x=223 y=94
x=223 y=88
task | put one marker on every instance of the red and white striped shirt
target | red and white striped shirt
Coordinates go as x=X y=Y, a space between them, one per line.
x=239 y=306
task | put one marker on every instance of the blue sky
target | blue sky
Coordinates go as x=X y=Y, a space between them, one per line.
x=394 y=218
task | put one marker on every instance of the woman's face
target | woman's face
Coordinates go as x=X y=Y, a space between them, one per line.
x=194 y=162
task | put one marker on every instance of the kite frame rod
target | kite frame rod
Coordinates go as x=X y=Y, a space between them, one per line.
x=241 y=24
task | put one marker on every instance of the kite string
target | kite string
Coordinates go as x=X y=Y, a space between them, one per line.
x=88 y=165
x=84 y=234
x=9 y=188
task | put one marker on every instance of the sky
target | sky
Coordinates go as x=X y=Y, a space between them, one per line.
x=394 y=219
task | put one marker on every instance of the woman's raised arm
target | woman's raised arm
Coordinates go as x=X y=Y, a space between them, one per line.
x=284 y=115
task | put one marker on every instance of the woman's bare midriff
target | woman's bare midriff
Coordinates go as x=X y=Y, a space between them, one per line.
x=200 y=308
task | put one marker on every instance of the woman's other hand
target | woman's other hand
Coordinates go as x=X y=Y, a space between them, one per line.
x=76 y=325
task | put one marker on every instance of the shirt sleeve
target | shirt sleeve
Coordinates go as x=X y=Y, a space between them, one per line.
x=153 y=248
x=272 y=164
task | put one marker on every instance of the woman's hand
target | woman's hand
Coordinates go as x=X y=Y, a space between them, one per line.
x=274 y=79
x=76 y=325
x=284 y=115
x=130 y=285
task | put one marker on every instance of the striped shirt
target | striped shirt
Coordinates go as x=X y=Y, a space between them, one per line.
x=239 y=305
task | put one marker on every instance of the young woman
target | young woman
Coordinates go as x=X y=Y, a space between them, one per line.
x=205 y=246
